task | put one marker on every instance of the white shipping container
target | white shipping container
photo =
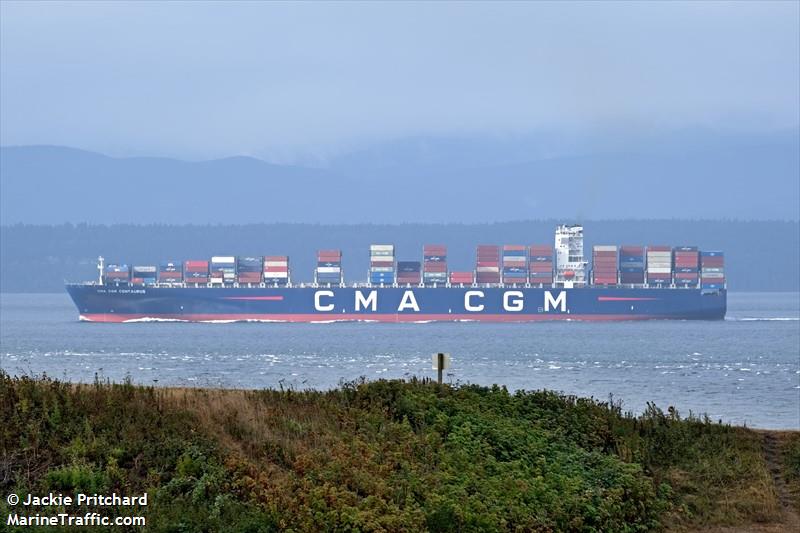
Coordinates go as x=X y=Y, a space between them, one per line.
x=382 y=269
x=383 y=247
x=276 y=274
x=658 y=264
x=329 y=270
x=659 y=270
x=712 y=269
x=144 y=269
x=713 y=275
x=223 y=259
x=276 y=263
x=488 y=269
x=604 y=248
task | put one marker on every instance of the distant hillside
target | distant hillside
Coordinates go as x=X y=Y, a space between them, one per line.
x=426 y=180
x=759 y=255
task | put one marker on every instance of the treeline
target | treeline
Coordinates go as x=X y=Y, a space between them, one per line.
x=760 y=255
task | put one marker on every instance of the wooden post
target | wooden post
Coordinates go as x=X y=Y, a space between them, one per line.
x=440 y=366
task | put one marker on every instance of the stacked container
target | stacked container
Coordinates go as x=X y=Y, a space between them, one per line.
x=276 y=269
x=540 y=264
x=170 y=272
x=605 y=265
x=712 y=270
x=631 y=265
x=409 y=272
x=515 y=264
x=462 y=278
x=195 y=271
x=329 y=267
x=487 y=267
x=434 y=263
x=116 y=274
x=659 y=265
x=248 y=270
x=223 y=269
x=143 y=275
x=381 y=264
x=685 y=266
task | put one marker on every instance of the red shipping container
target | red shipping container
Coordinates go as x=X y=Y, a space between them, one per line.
x=686 y=275
x=435 y=267
x=381 y=263
x=276 y=269
x=488 y=263
x=197 y=280
x=658 y=248
x=513 y=247
x=276 y=258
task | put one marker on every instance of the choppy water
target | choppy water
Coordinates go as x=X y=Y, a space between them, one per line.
x=745 y=369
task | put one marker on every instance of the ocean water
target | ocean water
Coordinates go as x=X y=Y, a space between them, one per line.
x=744 y=370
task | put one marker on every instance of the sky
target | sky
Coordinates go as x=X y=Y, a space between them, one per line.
x=278 y=80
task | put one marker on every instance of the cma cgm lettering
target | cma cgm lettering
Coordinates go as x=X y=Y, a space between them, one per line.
x=534 y=282
x=512 y=301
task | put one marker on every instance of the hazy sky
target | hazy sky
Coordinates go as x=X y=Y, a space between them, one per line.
x=206 y=80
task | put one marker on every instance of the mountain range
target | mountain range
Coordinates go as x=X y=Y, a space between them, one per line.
x=688 y=175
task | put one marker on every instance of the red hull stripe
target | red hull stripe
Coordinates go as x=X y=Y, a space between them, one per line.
x=274 y=298
x=621 y=299
x=349 y=317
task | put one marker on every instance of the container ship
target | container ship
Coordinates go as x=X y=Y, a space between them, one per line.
x=509 y=283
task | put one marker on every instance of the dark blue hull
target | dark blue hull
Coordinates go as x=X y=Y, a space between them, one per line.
x=306 y=304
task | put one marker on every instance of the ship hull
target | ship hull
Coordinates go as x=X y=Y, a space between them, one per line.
x=97 y=303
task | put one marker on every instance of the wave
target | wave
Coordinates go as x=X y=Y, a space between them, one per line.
x=764 y=319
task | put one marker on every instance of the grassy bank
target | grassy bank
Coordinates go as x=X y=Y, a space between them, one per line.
x=385 y=455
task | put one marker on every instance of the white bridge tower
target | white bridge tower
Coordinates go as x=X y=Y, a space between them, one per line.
x=570 y=265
